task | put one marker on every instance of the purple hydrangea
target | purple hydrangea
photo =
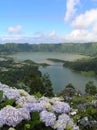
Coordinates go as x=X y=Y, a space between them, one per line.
x=48 y=118
x=12 y=116
x=61 y=107
x=25 y=114
x=32 y=107
x=2 y=121
x=26 y=99
x=76 y=128
x=11 y=93
x=63 y=121
x=3 y=86
x=43 y=99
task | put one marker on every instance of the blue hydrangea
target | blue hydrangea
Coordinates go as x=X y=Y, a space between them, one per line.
x=11 y=93
x=32 y=107
x=47 y=107
x=76 y=128
x=2 y=121
x=13 y=116
x=48 y=118
x=62 y=122
x=44 y=99
x=25 y=114
x=3 y=86
x=61 y=107
x=26 y=99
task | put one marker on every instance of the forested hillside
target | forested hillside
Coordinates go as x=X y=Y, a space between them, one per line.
x=24 y=74
x=85 y=65
x=85 y=48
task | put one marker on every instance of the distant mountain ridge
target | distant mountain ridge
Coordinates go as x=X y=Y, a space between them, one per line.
x=79 y=48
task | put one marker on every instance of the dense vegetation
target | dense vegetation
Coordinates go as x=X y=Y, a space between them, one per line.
x=24 y=74
x=84 y=106
x=86 y=66
x=85 y=48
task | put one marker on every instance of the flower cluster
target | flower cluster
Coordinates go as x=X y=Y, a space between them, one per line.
x=48 y=117
x=63 y=121
x=12 y=116
x=61 y=107
x=53 y=111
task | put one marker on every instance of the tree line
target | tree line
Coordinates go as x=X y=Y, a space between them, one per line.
x=79 y=48
x=87 y=65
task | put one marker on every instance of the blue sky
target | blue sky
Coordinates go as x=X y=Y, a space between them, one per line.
x=48 y=21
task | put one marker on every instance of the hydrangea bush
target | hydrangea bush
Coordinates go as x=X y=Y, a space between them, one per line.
x=28 y=111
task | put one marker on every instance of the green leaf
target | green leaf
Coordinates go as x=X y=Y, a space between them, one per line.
x=1 y=95
x=35 y=120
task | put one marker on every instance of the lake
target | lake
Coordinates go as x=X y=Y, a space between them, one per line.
x=59 y=75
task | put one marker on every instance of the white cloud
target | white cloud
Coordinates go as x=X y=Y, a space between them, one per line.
x=80 y=35
x=94 y=29
x=38 y=37
x=85 y=28
x=15 y=30
x=77 y=35
x=10 y=38
x=89 y=18
x=71 y=9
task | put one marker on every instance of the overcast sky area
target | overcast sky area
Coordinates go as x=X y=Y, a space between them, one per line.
x=48 y=21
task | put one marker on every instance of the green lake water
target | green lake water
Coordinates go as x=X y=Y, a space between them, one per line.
x=59 y=75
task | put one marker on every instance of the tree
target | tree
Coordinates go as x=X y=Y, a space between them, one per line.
x=70 y=86
x=47 y=85
x=90 y=88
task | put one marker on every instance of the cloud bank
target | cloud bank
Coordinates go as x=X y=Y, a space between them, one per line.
x=83 y=28
x=84 y=25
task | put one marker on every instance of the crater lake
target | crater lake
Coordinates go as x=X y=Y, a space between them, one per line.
x=60 y=76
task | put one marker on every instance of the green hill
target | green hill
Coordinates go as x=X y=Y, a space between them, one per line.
x=79 y=48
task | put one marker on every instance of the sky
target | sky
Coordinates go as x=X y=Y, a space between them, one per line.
x=48 y=21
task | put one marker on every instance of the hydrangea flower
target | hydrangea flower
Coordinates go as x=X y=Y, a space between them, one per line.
x=84 y=121
x=2 y=121
x=48 y=118
x=54 y=99
x=44 y=99
x=11 y=94
x=25 y=114
x=62 y=122
x=76 y=128
x=3 y=86
x=61 y=107
x=13 y=116
x=32 y=107
x=47 y=106
x=26 y=99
